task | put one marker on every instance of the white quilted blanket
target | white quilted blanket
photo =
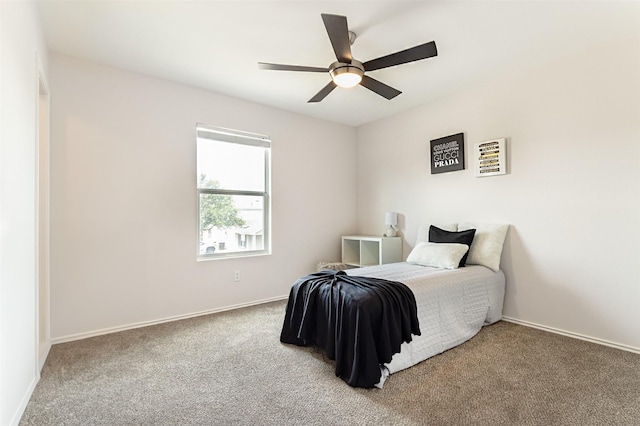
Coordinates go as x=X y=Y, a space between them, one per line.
x=452 y=306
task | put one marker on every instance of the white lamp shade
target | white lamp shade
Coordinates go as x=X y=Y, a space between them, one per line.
x=391 y=218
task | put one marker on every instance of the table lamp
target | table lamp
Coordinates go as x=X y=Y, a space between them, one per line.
x=391 y=220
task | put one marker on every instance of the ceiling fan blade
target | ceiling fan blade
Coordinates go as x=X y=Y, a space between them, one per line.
x=338 y=32
x=323 y=93
x=281 y=67
x=379 y=87
x=416 y=53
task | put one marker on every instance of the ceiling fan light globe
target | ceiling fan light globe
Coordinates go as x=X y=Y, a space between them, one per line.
x=347 y=79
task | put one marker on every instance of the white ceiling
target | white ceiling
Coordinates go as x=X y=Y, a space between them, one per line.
x=216 y=45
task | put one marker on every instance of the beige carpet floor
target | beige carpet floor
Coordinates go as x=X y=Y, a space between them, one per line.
x=230 y=368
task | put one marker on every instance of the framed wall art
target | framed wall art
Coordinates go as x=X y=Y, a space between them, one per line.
x=447 y=154
x=490 y=158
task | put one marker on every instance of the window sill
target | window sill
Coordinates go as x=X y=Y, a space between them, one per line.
x=234 y=255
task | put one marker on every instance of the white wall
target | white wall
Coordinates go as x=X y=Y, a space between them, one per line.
x=123 y=199
x=572 y=194
x=20 y=41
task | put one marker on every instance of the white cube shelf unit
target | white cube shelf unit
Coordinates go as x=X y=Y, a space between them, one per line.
x=364 y=250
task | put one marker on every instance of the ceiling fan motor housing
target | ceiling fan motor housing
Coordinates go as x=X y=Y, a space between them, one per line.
x=346 y=75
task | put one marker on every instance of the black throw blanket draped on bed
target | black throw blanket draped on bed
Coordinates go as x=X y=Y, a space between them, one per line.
x=359 y=322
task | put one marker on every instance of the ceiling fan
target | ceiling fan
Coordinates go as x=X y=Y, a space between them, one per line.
x=346 y=71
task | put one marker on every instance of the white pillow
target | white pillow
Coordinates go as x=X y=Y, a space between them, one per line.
x=486 y=247
x=437 y=255
x=423 y=231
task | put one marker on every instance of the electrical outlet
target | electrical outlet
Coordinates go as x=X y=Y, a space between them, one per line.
x=236 y=276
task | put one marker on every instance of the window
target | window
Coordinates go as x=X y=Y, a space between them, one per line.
x=233 y=193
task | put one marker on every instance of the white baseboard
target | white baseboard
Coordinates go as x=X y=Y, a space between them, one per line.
x=80 y=336
x=42 y=357
x=574 y=335
x=23 y=403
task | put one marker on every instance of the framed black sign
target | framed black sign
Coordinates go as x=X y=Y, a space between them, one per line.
x=447 y=154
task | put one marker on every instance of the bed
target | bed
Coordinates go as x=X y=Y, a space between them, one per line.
x=452 y=302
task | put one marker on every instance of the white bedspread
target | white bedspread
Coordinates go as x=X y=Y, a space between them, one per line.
x=452 y=305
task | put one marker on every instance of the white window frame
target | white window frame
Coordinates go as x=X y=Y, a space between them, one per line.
x=219 y=134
